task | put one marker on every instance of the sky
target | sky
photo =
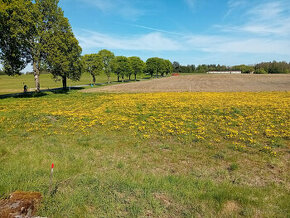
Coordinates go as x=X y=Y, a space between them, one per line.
x=227 y=32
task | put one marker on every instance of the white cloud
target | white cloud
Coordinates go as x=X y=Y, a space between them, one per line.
x=239 y=45
x=190 y=3
x=267 y=11
x=151 y=42
x=236 y=3
x=125 y=8
x=270 y=18
x=206 y=43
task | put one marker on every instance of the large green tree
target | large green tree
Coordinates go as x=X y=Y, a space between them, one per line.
x=137 y=66
x=161 y=67
x=24 y=28
x=121 y=66
x=168 y=67
x=155 y=66
x=63 y=53
x=176 y=67
x=93 y=64
x=107 y=57
x=152 y=66
x=17 y=26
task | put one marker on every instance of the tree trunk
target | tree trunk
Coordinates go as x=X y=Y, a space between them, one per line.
x=122 y=78
x=109 y=80
x=129 y=77
x=118 y=78
x=36 y=76
x=94 y=79
x=64 y=83
x=135 y=77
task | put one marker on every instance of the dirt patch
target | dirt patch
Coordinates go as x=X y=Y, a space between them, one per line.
x=20 y=204
x=205 y=83
x=163 y=198
x=230 y=207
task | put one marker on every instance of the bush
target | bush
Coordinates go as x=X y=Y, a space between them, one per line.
x=260 y=71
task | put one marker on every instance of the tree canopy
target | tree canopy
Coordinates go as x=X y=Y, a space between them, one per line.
x=93 y=64
x=168 y=67
x=64 y=52
x=17 y=26
x=121 y=66
x=137 y=66
x=107 y=57
x=157 y=66
x=264 y=67
x=29 y=32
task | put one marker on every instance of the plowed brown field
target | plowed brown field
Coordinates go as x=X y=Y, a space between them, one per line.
x=205 y=83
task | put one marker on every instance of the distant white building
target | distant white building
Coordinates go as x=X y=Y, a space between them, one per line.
x=225 y=72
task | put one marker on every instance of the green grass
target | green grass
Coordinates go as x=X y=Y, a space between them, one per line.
x=14 y=84
x=112 y=173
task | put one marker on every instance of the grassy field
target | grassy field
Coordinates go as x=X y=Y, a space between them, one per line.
x=9 y=84
x=154 y=154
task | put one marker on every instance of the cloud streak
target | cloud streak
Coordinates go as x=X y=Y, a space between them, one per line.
x=271 y=18
x=124 y=8
x=149 y=42
x=190 y=3
x=156 y=41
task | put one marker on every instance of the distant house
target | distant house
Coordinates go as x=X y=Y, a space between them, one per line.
x=225 y=72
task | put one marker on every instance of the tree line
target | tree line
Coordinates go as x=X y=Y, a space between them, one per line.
x=106 y=62
x=260 y=68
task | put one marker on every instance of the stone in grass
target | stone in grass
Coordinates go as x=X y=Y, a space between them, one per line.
x=20 y=204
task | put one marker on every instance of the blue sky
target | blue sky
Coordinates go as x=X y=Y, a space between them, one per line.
x=226 y=32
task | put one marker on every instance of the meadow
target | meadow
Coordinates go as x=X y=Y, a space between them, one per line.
x=14 y=84
x=149 y=154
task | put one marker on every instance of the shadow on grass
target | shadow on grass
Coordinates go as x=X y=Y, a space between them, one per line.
x=64 y=91
x=41 y=93
x=24 y=95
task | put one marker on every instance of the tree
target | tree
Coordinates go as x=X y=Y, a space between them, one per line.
x=63 y=51
x=107 y=57
x=176 y=66
x=121 y=66
x=152 y=66
x=201 y=68
x=93 y=64
x=24 y=28
x=168 y=67
x=161 y=67
x=260 y=71
x=137 y=66
x=244 y=68
x=16 y=27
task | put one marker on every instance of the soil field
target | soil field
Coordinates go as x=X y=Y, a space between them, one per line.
x=205 y=83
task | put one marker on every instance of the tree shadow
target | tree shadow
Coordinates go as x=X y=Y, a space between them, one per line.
x=24 y=95
x=64 y=91
x=40 y=94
